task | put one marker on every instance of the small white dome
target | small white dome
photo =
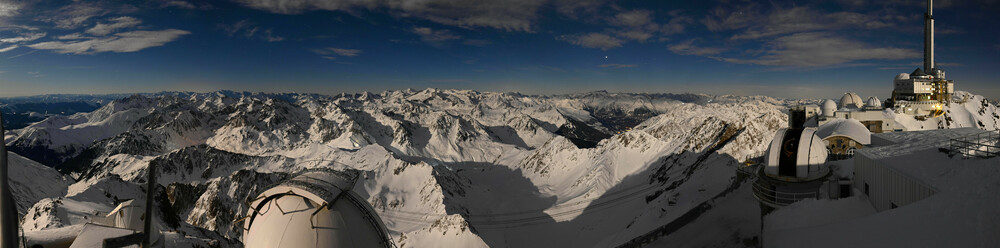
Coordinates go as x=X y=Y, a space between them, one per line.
x=851 y=100
x=829 y=107
x=796 y=155
x=873 y=102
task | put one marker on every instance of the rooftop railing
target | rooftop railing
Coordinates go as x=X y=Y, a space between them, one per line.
x=766 y=194
x=981 y=145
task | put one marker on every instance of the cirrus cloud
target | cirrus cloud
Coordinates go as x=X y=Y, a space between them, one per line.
x=819 y=49
x=688 y=48
x=509 y=15
x=593 y=40
x=331 y=53
x=116 y=24
x=120 y=43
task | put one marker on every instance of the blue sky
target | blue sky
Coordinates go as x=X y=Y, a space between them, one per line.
x=795 y=49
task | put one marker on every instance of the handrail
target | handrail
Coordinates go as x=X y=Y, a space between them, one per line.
x=769 y=196
x=980 y=145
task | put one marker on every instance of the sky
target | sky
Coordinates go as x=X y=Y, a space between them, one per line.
x=788 y=49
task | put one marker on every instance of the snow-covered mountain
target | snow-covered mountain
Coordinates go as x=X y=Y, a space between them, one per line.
x=444 y=168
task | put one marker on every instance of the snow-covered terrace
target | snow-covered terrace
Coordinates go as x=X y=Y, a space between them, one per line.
x=964 y=211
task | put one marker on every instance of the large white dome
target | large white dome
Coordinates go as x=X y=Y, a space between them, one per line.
x=314 y=209
x=851 y=100
x=796 y=155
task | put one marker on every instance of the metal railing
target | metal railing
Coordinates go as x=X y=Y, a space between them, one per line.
x=763 y=192
x=981 y=145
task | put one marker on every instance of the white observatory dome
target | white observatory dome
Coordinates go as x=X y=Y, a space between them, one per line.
x=796 y=155
x=873 y=102
x=314 y=209
x=829 y=107
x=851 y=100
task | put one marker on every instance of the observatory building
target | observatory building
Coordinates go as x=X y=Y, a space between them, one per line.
x=869 y=112
x=924 y=91
x=314 y=209
x=794 y=169
x=844 y=136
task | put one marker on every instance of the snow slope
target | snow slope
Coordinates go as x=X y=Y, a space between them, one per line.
x=444 y=168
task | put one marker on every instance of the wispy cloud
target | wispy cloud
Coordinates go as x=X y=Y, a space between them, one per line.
x=640 y=25
x=248 y=29
x=593 y=40
x=435 y=37
x=618 y=66
x=120 y=43
x=73 y=15
x=820 y=49
x=631 y=25
x=73 y=36
x=730 y=16
x=19 y=55
x=332 y=53
x=24 y=37
x=509 y=15
x=8 y=49
x=804 y=19
x=9 y=8
x=186 y=5
x=688 y=48
x=270 y=37
x=116 y=24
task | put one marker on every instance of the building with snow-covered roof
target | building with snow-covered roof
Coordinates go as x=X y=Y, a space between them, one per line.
x=870 y=113
x=314 y=209
x=918 y=192
x=843 y=136
x=890 y=179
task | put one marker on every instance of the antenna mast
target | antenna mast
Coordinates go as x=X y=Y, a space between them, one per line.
x=929 y=37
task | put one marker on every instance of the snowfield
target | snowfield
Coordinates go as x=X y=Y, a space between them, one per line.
x=444 y=168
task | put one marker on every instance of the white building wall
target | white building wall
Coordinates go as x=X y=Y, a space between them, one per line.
x=885 y=185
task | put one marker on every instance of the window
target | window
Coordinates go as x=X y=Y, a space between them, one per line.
x=892 y=205
x=866 y=190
